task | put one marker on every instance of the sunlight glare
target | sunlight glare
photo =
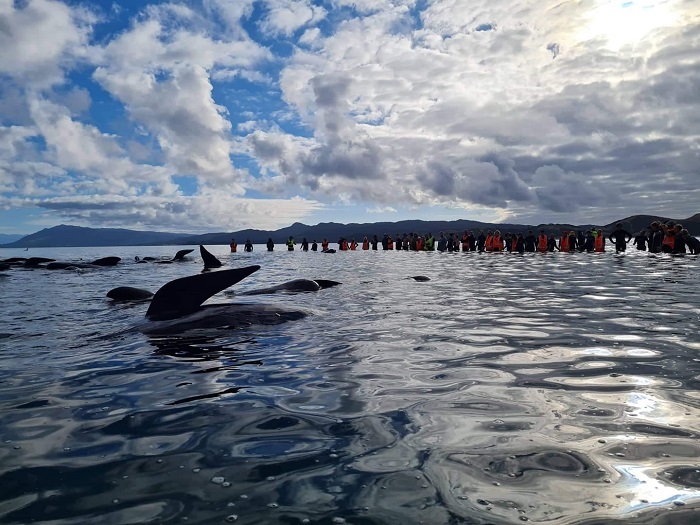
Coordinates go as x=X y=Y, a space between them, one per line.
x=624 y=23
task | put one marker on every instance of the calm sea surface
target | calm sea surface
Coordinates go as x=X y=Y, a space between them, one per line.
x=558 y=388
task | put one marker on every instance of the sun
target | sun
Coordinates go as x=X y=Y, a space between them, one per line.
x=622 y=23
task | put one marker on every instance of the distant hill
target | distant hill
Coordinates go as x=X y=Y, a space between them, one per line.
x=637 y=223
x=5 y=238
x=64 y=235
x=78 y=236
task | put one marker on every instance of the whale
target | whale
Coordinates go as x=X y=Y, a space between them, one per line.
x=36 y=262
x=209 y=260
x=297 y=285
x=72 y=265
x=127 y=293
x=178 y=305
x=179 y=256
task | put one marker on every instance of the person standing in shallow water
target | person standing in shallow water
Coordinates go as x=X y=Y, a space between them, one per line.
x=530 y=242
x=233 y=246
x=305 y=245
x=589 y=241
x=314 y=246
x=248 y=246
x=270 y=244
x=620 y=237
x=481 y=241
x=641 y=241
x=290 y=244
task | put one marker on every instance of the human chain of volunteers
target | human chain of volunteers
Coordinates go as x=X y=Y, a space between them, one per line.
x=659 y=237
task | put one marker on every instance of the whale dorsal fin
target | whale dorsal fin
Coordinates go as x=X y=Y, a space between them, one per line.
x=181 y=254
x=185 y=295
x=209 y=260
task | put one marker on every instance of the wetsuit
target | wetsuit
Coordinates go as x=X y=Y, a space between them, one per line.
x=385 y=242
x=551 y=245
x=530 y=243
x=442 y=244
x=589 y=243
x=270 y=246
x=481 y=242
x=314 y=247
x=248 y=246
x=641 y=242
x=375 y=241
x=305 y=245
x=581 y=241
x=693 y=245
x=655 y=241
x=620 y=237
x=679 y=245
x=521 y=245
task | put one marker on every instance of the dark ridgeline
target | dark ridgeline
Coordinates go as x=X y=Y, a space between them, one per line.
x=78 y=236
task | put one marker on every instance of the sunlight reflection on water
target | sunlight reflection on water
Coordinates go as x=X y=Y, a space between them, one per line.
x=558 y=389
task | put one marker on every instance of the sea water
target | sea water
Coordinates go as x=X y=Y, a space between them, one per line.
x=555 y=388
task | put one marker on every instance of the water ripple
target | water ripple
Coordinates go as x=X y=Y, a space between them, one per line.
x=551 y=389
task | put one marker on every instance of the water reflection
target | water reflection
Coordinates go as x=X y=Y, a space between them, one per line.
x=558 y=390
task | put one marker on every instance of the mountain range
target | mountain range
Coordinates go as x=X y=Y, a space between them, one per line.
x=75 y=236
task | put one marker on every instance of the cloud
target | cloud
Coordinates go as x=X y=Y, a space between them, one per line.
x=378 y=209
x=284 y=17
x=162 y=77
x=528 y=108
x=40 y=38
x=208 y=211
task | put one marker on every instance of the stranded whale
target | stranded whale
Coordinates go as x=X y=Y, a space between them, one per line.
x=179 y=256
x=177 y=305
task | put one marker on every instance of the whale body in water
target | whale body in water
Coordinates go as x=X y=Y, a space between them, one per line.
x=178 y=305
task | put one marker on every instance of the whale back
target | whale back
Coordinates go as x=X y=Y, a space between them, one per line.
x=185 y=295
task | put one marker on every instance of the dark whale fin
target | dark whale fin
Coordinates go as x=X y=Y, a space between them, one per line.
x=324 y=283
x=179 y=256
x=184 y=296
x=209 y=260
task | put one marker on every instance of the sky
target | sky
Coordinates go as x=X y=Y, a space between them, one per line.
x=219 y=115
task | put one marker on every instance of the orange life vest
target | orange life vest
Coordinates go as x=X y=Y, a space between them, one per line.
x=344 y=245
x=390 y=244
x=489 y=243
x=233 y=247
x=365 y=245
x=564 y=243
x=419 y=245
x=465 y=243
x=599 y=244
x=324 y=245
x=514 y=244
x=353 y=245
x=669 y=240
x=497 y=243
x=542 y=243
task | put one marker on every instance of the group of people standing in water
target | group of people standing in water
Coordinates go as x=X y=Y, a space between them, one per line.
x=660 y=237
